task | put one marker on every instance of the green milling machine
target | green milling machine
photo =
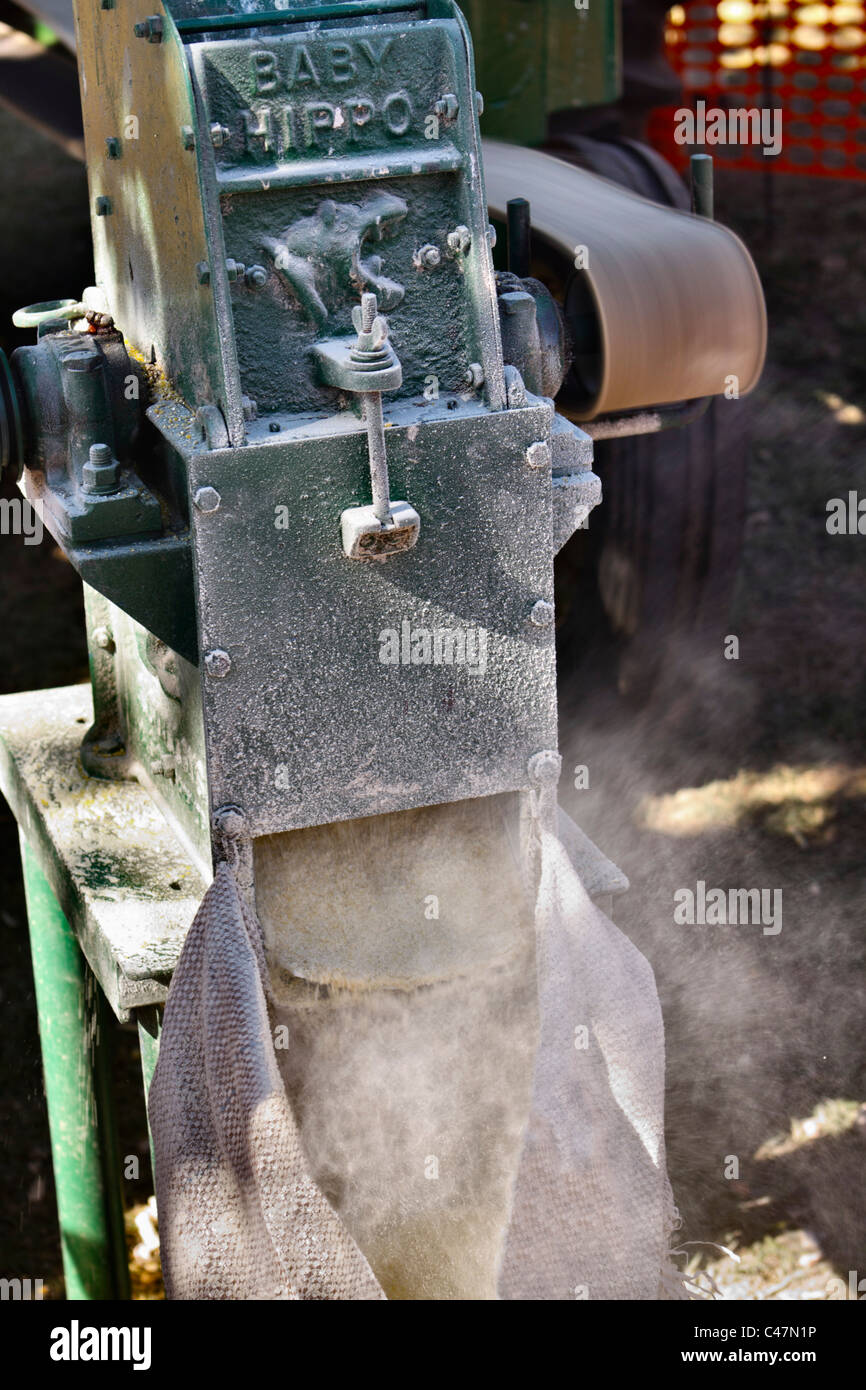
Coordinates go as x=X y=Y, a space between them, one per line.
x=313 y=456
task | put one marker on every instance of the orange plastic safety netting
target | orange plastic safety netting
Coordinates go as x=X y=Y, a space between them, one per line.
x=807 y=63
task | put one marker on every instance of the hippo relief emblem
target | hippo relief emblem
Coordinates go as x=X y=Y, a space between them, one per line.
x=321 y=258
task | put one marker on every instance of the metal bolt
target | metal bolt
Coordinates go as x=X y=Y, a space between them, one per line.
x=234 y=269
x=538 y=454
x=446 y=107
x=370 y=325
x=249 y=407
x=519 y=227
x=427 y=257
x=479 y=103
x=217 y=663
x=202 y=271
x=491 y=236
x=207 y=499
x=103 y=639
x=103 y=206
x=460 y=240
x=150 y=29
x=474 y=374
x=112 y=145
x=701 y=177
x=219 y=134
x=100 y=473
x=255 y=276
x=542 y=614
x=545 y=766
x=187 y=137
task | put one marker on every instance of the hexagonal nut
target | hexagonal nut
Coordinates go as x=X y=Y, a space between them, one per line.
x=150 y=29
x=460 y=240
x=447 y=107
x=217 y=663
x=103 y=639
x=255 y=276
x=101 y=473
x=427 y=257
x=474 y=375
x=207 y=499
x=543 y=613
x=538 y=455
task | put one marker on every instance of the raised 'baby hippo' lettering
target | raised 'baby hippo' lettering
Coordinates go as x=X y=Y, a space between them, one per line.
x=305 y=66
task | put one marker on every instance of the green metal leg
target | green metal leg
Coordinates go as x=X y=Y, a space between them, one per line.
x=75 y=1033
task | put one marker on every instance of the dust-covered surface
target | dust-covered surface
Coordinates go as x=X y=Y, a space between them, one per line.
x=314 y=888
x=748 y=774
x=119 y=872
x=763 y=1032
x=464 y=1149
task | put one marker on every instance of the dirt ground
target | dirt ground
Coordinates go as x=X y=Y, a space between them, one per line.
x=747 y=773
x=750 y=773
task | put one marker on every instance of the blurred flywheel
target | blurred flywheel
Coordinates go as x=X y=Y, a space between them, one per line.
x=662 y=306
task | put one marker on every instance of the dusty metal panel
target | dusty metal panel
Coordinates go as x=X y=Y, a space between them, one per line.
x=289 y=732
